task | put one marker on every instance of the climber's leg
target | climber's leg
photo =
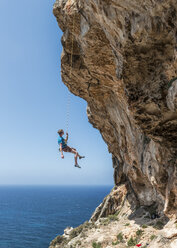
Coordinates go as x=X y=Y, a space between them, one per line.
x=74 y=150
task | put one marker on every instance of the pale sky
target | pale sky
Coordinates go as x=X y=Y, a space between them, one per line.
x=33 y=104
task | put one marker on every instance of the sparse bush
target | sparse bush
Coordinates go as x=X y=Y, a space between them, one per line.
x=105 y=221
x=132 y=242
x=58 y=240
x=144 y=226
x=117 y=213
x=153 y=236
x=96 y=245
x=120 y=237
x=115 y=243
x=159 y=225
x=76 y=231
x=83 y=235
x=112 y=217
x=86 y=224
x=78 y=242
x=127 y=224
x=139 y=232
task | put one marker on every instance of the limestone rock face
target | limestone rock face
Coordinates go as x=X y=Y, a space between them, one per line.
x=125 y=228
x=125 y=67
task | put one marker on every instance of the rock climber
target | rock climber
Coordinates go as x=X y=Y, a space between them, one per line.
x=65 y=148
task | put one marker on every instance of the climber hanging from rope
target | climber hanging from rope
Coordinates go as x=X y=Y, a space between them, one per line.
x=65 y=148
x=61 y=141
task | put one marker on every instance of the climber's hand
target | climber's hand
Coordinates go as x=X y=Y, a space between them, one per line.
x=66 y=133
x=62 y=156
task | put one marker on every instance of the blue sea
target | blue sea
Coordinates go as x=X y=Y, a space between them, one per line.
x=31 y=216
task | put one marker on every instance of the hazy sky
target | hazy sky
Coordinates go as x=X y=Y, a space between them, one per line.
x=33 y=104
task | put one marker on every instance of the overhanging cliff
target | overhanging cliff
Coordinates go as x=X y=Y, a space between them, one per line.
x=124 y=66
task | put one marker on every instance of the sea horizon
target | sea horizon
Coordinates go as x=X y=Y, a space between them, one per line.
x=56 y=185
x=35 y=214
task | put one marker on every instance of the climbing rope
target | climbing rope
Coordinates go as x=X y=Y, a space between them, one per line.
x=70 y=71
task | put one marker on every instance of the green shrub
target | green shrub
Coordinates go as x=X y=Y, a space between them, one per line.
x=58 y=240
x=159 y=225
x=120 y=237
x=132 y=242
x=117 y=213
x=105 y=221
x=87 y=224
x=127 y=224
x=96 y=245
x=78 y=242
x=115 y=243
x=76 y=231
x=83 y=235
x=112 y=217
x=139 y=232
x=144 y=226
x=153 y=236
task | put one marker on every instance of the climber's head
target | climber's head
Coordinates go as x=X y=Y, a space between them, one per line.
x=60 y=132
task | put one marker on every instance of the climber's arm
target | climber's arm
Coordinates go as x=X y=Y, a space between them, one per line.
x=66 y=137
x=61 y=150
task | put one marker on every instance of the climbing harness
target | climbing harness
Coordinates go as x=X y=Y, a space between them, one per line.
x=70 y=71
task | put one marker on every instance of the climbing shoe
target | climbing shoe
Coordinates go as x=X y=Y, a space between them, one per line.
x=81 y=157
x=76 y=165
